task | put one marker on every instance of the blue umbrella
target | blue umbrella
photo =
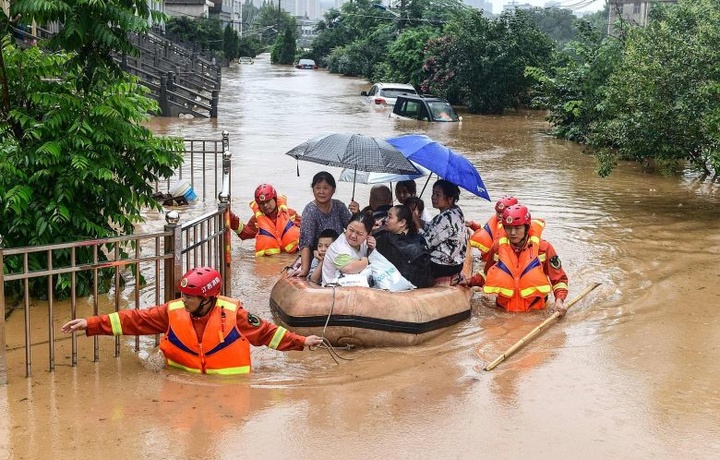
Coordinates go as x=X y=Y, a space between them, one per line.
x=441 y=160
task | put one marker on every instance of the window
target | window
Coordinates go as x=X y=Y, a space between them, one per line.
x=636 y=8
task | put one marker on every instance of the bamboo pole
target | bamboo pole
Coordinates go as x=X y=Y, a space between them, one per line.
x=532 y=334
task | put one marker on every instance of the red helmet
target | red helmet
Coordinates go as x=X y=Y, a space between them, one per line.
x=201 y=282
x=515 y=216
x=504 y=202
x=265 y=192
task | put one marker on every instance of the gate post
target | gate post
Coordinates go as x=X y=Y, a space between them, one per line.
x=163 y=96
x=173 y=245
x=224 y=208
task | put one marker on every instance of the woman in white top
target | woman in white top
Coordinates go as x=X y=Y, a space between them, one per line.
x=348 y=254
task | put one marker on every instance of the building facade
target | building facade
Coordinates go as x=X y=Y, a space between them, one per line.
x=634 y=12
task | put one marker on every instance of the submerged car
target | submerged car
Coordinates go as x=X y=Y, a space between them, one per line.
x=425 y=108
x=387 y=93
x=306 y=64
x=246 y=60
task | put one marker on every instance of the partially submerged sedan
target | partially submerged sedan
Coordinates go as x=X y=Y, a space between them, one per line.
x=424 y=108
x=306 y=64
x=387 y=93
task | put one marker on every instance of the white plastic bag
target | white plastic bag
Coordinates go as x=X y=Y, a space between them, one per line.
x=386 y=275
x=355 y=279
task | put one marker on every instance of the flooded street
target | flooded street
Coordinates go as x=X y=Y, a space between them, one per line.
x=631 y=372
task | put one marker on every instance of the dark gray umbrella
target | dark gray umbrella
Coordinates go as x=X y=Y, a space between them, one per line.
x=354 y=151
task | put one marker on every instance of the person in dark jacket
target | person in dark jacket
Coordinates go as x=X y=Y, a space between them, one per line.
x=401 y=244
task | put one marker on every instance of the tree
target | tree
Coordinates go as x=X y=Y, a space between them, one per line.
x=270 y=23
x=361 y=56
x=574 y=88
x=76 y=161
x=481 y=62
x=284 y=50
x=405 y=57
x=663 y=100
x=231 y=43
x=556 y=23
x=204 y=32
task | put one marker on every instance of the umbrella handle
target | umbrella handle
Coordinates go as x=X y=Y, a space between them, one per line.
x=425 y=186
x=354 y=179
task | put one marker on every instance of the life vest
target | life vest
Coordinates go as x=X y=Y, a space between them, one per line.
x=274 y=237
x=223 y=350
x=493 y=230
x=518 y=280
x=484 y=237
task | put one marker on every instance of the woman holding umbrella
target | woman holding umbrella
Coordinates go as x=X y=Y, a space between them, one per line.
x=445 y=234
x=324 y=212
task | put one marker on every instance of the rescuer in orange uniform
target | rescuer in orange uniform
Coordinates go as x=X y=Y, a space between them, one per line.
x=204 y=332
x=522 y=269
x=484 y=237
x=275 y=227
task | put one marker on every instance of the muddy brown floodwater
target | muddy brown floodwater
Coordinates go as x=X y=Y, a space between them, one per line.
x=631 y=372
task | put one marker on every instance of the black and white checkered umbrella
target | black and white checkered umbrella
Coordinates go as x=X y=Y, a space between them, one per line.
x=354 y=151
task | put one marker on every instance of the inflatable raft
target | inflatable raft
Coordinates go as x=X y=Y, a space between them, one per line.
x=368 y=317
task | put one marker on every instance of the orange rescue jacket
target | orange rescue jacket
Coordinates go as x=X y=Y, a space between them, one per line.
x=274 y=237
x=518 y=279
x=223 y=350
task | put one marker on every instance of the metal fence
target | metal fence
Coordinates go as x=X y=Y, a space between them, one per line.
x=117 y=273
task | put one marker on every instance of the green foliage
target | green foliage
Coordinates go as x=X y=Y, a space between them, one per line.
x=76 y=161
x=249 y=46
x=573 y=88
x=405 y=57
x=205 y=32
x=231 y=43
x=481 y=62
x=663 y=100
x=271 y=23
x=361 y=56
x=599 y=19
x=283 y=52
x=556 y=23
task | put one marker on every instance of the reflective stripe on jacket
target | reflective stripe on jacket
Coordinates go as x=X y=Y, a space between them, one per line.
x=519 y=280
x=274 y=237
x=223 y=350
x=484 y=237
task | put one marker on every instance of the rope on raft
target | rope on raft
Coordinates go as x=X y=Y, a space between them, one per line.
x=326 y=343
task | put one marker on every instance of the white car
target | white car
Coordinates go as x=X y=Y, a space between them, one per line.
x=387 y=93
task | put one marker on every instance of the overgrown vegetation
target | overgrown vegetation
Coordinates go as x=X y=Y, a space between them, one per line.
x=650 y=95
x=76 y=161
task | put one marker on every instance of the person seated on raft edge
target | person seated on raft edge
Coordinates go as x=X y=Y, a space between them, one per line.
x=380 y=203
x=446 y=235
x=269 y=224
x=407 y=190
x=326 y=238
x=348 y=254
x=404 y=247
x=321 y=213
x=512 y=272
x=204 y=332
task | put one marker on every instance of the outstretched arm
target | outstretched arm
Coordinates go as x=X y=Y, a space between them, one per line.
x=78 y=324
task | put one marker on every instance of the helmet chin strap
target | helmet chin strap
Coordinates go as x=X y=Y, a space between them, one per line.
x=202 y=310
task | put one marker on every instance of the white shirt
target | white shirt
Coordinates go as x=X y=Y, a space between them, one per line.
x=339 y=254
